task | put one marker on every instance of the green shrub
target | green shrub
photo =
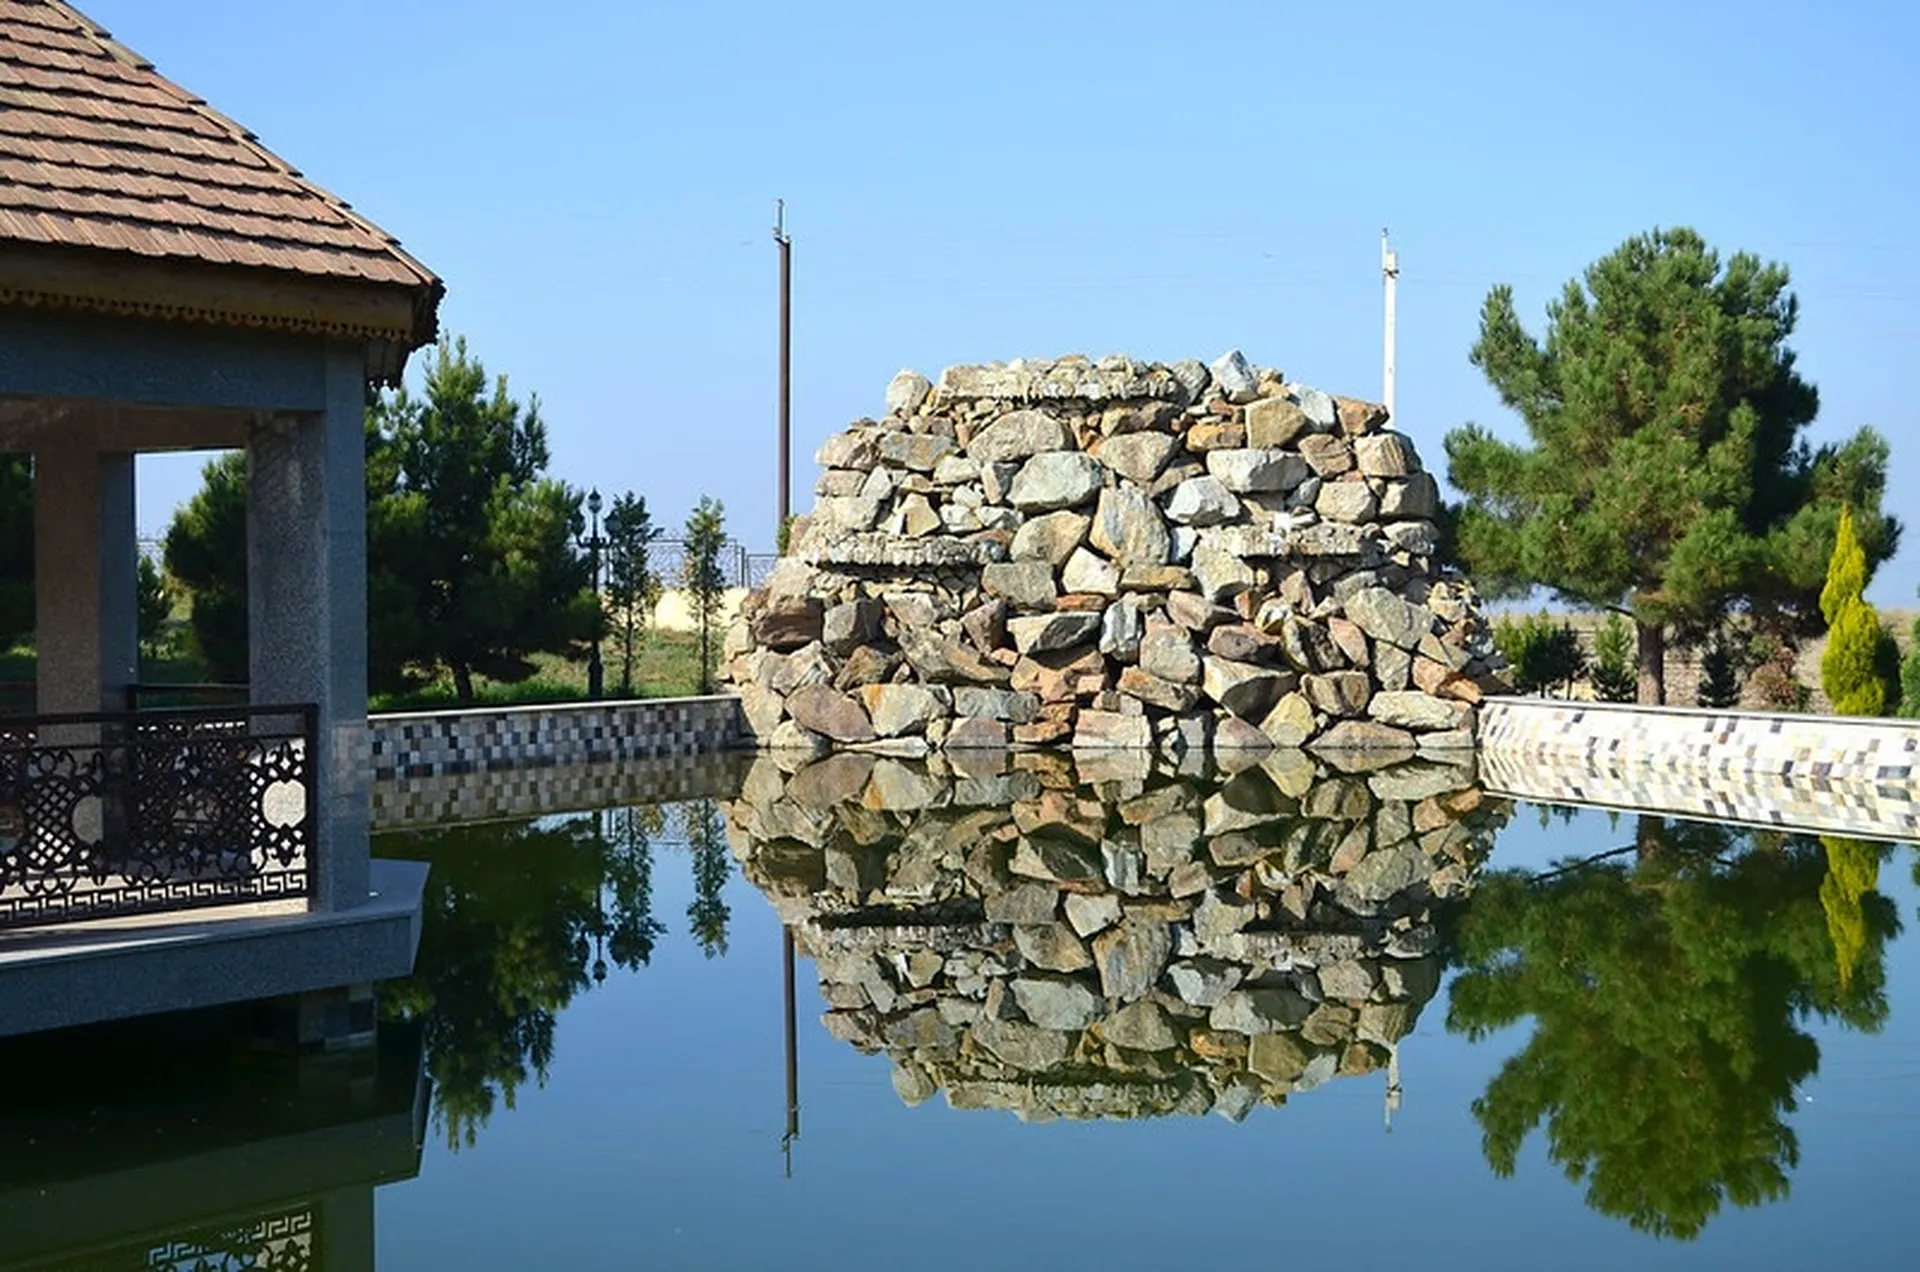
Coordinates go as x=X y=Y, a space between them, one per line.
x=1542 y=653
x=1614 y=676
x=1910 y=677
x=1721 y=666
x=1773 y=682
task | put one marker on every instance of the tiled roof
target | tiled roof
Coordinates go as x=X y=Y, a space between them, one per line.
x=99 y=151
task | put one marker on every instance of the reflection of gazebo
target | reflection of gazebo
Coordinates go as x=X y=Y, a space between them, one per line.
x=232 y=1160
x=166 y=284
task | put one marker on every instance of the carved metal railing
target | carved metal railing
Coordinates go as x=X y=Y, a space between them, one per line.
x=117 y=813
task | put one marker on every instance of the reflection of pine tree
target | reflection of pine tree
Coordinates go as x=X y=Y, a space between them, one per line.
x=629 y=848
x=1666 y=993
x=504 y=947
x=708 y=914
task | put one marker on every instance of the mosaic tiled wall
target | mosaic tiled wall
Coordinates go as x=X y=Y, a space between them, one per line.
x=431 y=744
x=512 y=794
x=1822 y=774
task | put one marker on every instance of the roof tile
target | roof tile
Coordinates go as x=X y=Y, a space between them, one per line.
x=98 y=150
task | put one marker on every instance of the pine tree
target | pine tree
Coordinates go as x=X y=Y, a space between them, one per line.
x=1720 y=673
x=632 y=586
x=155 y=606
x=1612 y=670
x=1665 y=474
x=705 y=581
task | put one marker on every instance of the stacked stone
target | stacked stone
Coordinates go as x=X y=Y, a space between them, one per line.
x=1064 y=944
x=1116 y=554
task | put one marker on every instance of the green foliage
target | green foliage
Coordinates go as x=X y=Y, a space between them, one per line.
x=1665 y=473
x=1846 y=570
x=16 y=549
x=1544 y=654
x=206 y=553
x=707 y=913
x=1721 y=667
x=783 y=537
x=1615 y=679
x=1860 y=669
x=473 y=563
x=1853 y=871
x=705 y=580
x=517 y=917
x=155 y=601
x=1666 y=997
x=632 y=586
x=1774 y=681
x=1910 y=676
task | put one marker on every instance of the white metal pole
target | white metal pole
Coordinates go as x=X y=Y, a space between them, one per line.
x=1390 y=277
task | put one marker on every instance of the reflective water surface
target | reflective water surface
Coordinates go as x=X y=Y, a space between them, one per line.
x=1044 y=1014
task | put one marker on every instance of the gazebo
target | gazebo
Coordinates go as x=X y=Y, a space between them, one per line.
x=167 y=283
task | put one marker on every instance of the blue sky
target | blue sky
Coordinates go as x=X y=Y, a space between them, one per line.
x=595 y=182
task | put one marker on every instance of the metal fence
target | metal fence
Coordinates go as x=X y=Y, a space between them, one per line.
x=667 y=559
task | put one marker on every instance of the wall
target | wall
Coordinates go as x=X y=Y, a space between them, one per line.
x=413 y=745
x=1116 y=554
x=1825 y=774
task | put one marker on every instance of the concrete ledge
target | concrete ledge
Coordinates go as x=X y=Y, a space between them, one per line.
x=540 y=791
x=1851 y=748
x=473 y=740
x=1845 y=775
x=79 y=973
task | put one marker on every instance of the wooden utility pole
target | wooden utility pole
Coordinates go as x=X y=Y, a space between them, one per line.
x=1390 y=277
x=784 y=241
x=783 y=509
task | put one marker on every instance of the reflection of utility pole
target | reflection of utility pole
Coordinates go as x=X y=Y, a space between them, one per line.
x=1390 y=278
x=793 y=1053
x=1393 y=1084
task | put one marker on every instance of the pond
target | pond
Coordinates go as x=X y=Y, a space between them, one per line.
x=1044 y=1014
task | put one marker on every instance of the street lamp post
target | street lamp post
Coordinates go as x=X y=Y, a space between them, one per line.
x=593 y=543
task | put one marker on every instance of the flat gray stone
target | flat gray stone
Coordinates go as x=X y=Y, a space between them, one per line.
x=1202 y=501
x=1019 y=435
x=1043 y=633
x=1055 y=480
x=1129 y=529
x=1138 y=457
x=1056 y=1002
x=1051 y=538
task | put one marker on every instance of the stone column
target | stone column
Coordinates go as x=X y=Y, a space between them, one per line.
x=307 y=605
x=87 y=624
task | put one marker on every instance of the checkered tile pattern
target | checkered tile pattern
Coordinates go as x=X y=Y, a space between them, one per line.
x=1822 y=774
x=432 y=744
x=516 y=794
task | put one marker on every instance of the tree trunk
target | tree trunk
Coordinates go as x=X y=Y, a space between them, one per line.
x=463 y=682
x=1653 y=662
x=1649 y=836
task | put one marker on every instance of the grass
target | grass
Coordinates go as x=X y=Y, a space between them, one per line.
x=666 y=665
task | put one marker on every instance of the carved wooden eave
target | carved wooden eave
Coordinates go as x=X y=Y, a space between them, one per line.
x=390 y=320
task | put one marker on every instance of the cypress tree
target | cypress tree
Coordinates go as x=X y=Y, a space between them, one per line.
x=1860 y=669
